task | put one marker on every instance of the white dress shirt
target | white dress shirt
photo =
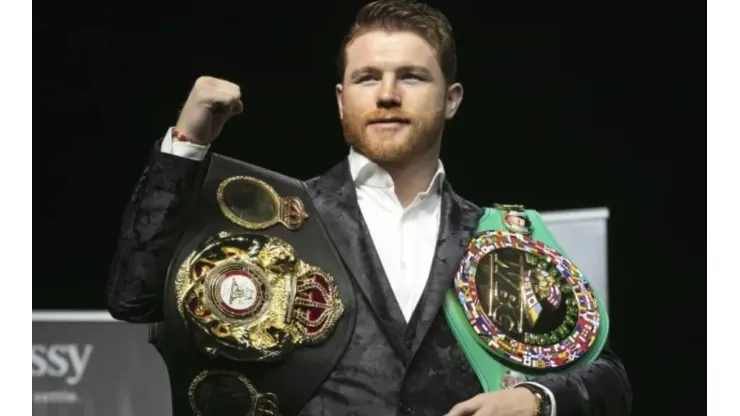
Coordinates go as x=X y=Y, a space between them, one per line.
x=404 y=238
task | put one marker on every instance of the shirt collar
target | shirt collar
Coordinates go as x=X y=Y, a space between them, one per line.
x=366 y=173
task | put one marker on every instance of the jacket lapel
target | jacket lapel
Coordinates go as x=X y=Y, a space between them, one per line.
x=335 y=199
x=458 y=221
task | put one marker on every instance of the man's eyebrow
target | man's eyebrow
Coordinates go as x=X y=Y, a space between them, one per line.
x=415 y=68
x=363 y=71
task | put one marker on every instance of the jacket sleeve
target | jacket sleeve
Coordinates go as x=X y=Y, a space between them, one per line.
x=597 y=389
x=153 y=222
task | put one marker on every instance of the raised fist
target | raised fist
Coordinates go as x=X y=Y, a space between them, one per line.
x=211 y=103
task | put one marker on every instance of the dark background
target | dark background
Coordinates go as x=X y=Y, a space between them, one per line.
x=568 y=110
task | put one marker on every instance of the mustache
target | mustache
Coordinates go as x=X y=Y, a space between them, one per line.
x=387 y=115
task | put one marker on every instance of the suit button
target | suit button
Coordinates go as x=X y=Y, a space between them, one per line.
x=405 y=409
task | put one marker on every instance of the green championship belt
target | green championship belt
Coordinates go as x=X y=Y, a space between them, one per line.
x=519 y=307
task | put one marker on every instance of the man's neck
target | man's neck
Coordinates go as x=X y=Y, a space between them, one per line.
x=414 y=177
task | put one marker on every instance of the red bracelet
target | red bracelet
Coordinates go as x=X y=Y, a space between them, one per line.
x=180 y=136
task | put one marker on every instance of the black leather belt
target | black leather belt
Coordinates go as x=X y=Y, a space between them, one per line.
x=258 y=307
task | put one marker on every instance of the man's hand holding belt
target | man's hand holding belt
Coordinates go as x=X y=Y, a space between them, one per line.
x=519 y=401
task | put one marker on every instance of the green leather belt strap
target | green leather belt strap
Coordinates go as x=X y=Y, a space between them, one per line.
x=488 y=368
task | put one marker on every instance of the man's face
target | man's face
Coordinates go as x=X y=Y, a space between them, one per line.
x=393 y=100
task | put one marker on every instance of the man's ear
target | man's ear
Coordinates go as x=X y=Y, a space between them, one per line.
x=338 y=91
x=453 y=100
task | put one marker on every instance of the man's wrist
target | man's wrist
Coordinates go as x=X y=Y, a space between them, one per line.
x=179 y=135
x=184 y=149
x=543 y=405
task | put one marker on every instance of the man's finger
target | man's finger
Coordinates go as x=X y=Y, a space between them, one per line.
x=466 y=408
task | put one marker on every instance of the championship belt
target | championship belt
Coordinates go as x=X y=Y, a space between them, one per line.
x=519 y=307
x=259 y=292
x=248 y=296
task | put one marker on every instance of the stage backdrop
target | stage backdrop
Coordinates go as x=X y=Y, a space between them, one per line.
x=87 y=364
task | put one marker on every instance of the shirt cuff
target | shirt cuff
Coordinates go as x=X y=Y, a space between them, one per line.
x=187 y=150
x=553 y=406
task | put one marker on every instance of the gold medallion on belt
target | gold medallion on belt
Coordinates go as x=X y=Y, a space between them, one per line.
x=250 y=294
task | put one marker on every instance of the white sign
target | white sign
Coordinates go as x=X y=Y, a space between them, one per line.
x=66 y=361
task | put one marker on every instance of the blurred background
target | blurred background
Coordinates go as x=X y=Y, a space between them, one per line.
x=562 y=111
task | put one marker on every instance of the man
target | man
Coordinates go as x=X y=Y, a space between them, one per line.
x=398 y=226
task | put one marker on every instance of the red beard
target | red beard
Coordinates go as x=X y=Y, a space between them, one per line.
x=393 y=146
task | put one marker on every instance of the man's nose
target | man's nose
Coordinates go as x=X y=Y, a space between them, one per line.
x=388 y=95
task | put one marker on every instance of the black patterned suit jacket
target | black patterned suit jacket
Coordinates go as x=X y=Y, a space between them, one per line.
x=389 y=366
